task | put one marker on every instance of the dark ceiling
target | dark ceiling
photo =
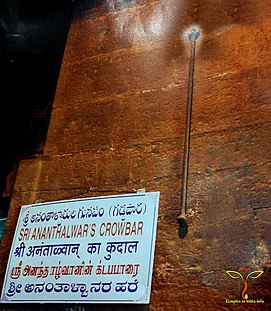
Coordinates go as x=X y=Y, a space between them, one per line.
x=32 y=40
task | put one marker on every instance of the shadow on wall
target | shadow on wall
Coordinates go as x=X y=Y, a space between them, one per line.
x=2 y=226
x=32 y=41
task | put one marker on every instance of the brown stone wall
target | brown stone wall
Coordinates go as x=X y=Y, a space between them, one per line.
x=118 y=125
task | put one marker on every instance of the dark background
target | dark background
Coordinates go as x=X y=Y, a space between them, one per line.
x=32 y=41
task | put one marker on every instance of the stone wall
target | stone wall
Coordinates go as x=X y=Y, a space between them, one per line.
x=118 y=124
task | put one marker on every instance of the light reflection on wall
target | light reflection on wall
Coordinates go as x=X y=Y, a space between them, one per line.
x=145 y=27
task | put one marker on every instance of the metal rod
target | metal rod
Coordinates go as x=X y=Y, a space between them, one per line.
x=193 y=35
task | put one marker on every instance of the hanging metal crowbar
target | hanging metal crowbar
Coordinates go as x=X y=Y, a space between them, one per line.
x=193 y=35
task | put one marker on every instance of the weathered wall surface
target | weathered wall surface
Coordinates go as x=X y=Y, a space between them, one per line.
x=118 y=124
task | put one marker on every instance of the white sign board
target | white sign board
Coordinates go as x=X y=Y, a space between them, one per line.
x=93 y=250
